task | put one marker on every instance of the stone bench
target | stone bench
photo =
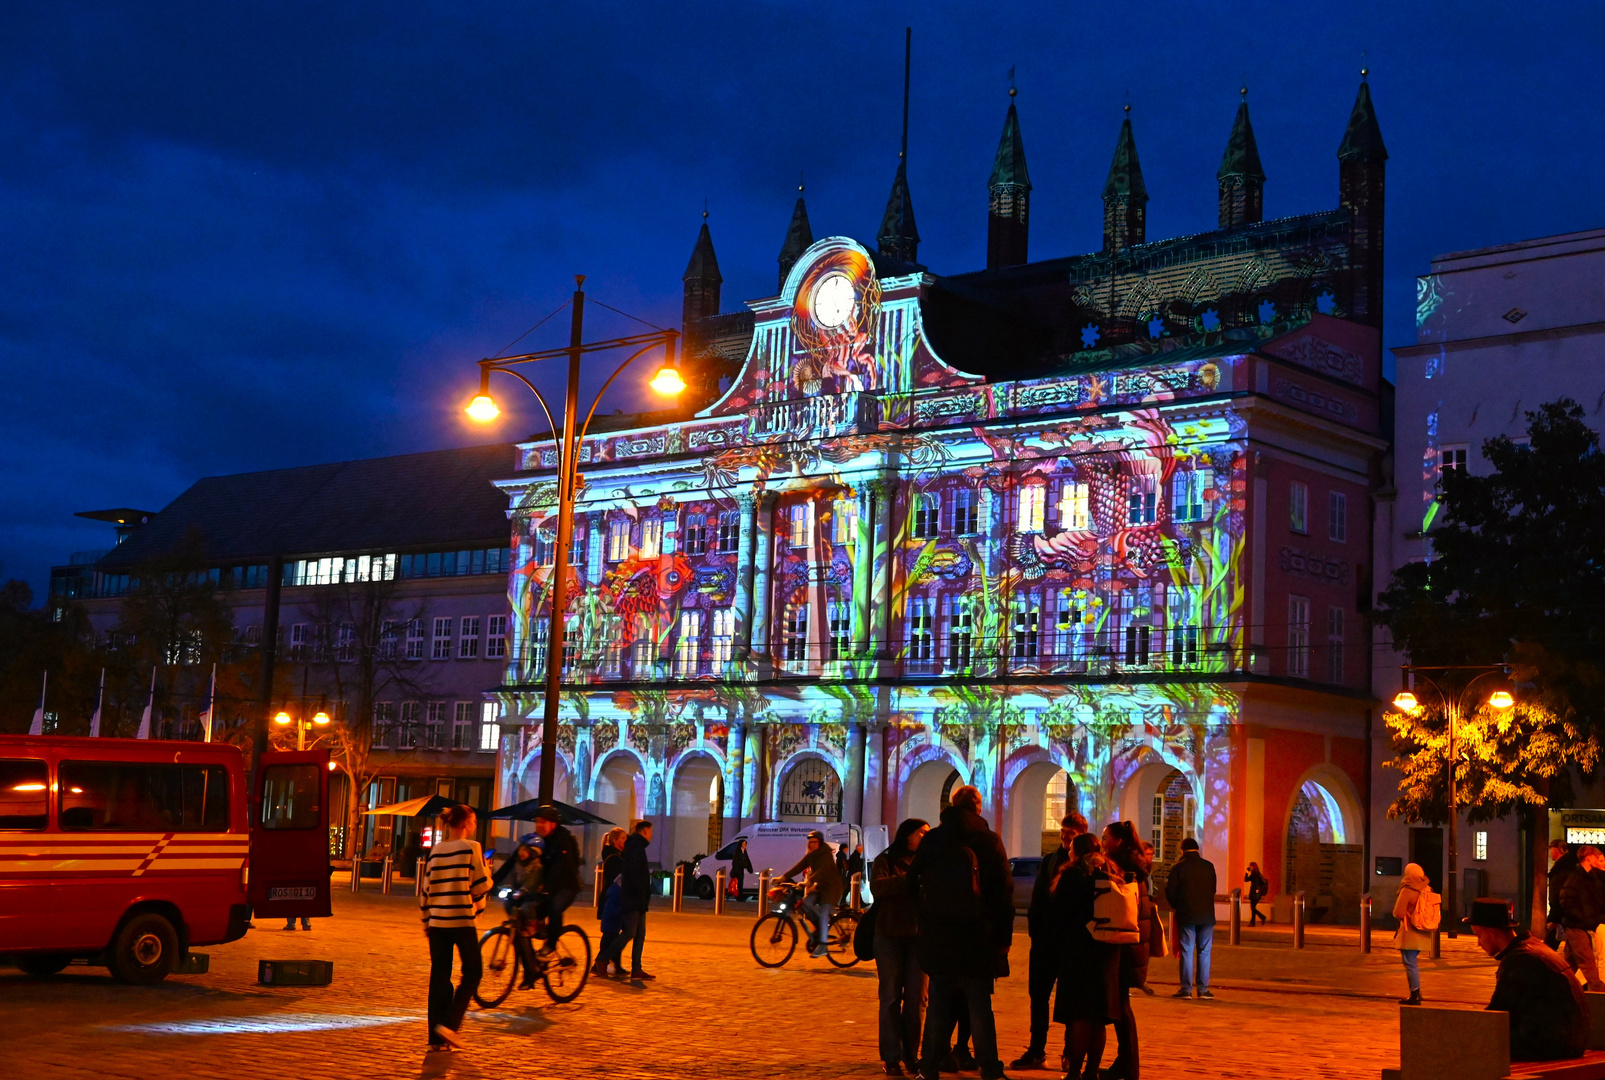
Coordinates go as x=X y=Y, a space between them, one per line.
x=1438 y=1043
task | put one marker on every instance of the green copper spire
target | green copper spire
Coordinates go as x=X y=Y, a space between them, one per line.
x=1362 y=140
x=1009 y=166
x=1125 y=174
x=1242 y=153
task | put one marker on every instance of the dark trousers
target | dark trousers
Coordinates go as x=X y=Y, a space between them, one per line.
x=902 y=997
x=633 y=930
x=1254 y=913
x=948 y=996
x=556 y=907
x=1043 y=977
x=445 y=1007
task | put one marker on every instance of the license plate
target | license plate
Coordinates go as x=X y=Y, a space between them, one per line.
x=294 y=892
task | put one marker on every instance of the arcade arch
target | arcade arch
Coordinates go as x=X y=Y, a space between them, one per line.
x=1040 y=796
x=927 y=791
x=695 y=802
x=1324 y=858
x=810 y=789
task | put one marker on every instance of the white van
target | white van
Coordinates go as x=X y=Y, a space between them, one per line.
x=777 y=846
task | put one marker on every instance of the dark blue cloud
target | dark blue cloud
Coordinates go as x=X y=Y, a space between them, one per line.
x=241 y=236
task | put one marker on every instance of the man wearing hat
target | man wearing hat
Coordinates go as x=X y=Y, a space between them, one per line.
x=560 y=870
x=1548 y=1014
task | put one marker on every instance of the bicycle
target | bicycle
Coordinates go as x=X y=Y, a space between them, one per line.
x=564 y=970
x=774 y=936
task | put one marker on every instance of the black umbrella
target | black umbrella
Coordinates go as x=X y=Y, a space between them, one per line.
x=569 y=815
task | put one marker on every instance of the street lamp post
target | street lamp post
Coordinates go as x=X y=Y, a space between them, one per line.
x=483 y=408
x=1453 y=706
x=284 y=719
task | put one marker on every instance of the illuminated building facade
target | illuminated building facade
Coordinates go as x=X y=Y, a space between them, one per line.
x=1088 y=532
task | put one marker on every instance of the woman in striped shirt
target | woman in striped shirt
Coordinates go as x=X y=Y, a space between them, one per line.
x=454 y=888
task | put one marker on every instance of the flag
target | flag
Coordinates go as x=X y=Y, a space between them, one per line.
x=144 y=717
x=211 y=705
x=94 y=721
x=38 y=725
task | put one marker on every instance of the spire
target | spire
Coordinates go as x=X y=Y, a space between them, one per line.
x=1362 y=189
x=1362 y=140
x=898 y=237
x=1125 y=197
x=701 y=278
x=799 y=238
x=1241 y=177
x=1009 y=196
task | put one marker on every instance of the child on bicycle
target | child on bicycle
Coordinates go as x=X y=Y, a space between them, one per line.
x=523 y=903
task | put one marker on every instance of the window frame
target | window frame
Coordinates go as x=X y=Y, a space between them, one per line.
x=1298 y=507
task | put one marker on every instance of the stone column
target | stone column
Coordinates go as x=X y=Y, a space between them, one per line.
x=863 y=545
x=853 y=790
x=818 y=595
x=883 y=574
x=736 y=757
x=874 y=770
x=762 y=578
x=747 y=506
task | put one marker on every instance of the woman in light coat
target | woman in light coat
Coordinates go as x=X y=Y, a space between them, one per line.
x=1406 y=939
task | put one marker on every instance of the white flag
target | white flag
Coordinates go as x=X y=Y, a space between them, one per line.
x=144 y=717
x=94 y=721
x=211 y=705
x=38 y=725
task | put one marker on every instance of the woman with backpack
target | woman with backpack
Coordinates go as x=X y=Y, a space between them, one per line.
x=1411 y=937
x=1089 y=970
x=1257 y=888
x=902 y=982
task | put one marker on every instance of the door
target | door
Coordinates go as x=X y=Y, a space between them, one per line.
x=1426 y=850
x=290 y=835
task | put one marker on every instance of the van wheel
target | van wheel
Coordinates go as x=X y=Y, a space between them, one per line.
x=705 y=887
x=144 y=951
x=43 y=965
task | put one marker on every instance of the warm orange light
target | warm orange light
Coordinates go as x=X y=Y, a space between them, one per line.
x=1406 y=702
x=483 y=408
x=282 y=718
x=27 y=787
x=333 y=766
x=321 y=718
x=667 y=381
x=1501 y=699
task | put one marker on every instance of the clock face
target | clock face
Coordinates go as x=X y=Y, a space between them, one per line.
x=834 y=300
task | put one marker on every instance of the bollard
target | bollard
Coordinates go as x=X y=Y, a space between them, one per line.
x=384 y=876
x=1365 y=923
x=763 y=892
x=356 y=875
x=718 y=892
x=596 y=890
x=677 y=889
x=858 y=892
x=1437 y=944
x=1170 y=929
x=418 y=876
x=1234 y=921
x=1298 y=919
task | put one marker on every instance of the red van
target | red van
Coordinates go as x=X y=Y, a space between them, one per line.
x=128 y=852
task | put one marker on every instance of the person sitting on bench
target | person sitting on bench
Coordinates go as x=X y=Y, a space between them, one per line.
x=1548 y=1014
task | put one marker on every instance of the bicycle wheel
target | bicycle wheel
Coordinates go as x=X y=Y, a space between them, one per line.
x=839 y=944
x=774 y=938
x=569 y=965
x=501 y=967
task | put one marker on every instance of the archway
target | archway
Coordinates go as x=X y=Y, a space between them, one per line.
x=529 y=779
x=619 y=789
x=809 y=790
x=1038 y=799
x=1322 y=859
x=695 y=802
x=928 y=789
x=1160 y=801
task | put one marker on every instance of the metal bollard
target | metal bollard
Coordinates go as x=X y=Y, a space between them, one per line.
x=1365 y=923
x=1298 y=919
x=356 y=875
x=596 y=890
x=1437 y=944
x=418 y=876
x=1234 y=921
x=858 y=892
x=718 y=892
x=1170 y=929
x=384 y=877
x=763 y=892
x=677 y=889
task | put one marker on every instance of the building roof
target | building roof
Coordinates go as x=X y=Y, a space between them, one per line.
x=799 y=237
x=1008 y=168
x=1362 y=139
x=1125 y=173
x=1242 y=153
x=897 y=230
x=704 y=264
x=439 y=498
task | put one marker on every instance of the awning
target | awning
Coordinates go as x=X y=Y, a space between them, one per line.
x=427 y=806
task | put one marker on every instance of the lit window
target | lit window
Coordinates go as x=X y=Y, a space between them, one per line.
x=545 y=547
x=800 y=518
x=1298 y=506
x=796 y=630
x=1032 y=502
x=687 y=645
x=1337 y=522
x=921 y=630
x=651 y=537
x=1451 y=459
x=1298 y=637
x=489 y=736
x=729 y=530
x=618 y=540
x=844 y=521
x=724 y=636
x=1142 y=499
x=1480 y=846
x=927 y=514
x=1074 y=513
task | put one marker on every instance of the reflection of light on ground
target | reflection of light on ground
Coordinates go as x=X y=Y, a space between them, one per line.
x=264 y=1025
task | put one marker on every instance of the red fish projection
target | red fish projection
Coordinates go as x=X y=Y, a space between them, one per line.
x=647 y=588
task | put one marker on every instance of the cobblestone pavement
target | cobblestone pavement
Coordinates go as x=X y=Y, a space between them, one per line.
x=1323 y=1012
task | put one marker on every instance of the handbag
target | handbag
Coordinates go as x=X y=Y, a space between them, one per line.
x=864 y=935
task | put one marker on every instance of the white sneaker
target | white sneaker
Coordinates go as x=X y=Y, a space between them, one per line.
x=448 y=1036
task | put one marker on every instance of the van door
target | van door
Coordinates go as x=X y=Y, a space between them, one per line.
x=289 y=874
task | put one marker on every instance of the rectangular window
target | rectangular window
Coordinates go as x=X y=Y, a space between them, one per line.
x=1074 y=508
x=118 y=796
x=696 y=540
x=840 y=619
x=844 y=521
x=1337 y=521
x=1298 y=506
x=729 y=531
x=1298 y=637
x=1334 y=645
x=1031 y=500
x=966 y=512
x=435 y=725
x=1138 y=640
x=1156 y=822
x=688 y=645
x=1142 y=499
x=922 y=630
x=724 y=637
x=571 y=646
x=410 y=732
x=799 y=518
x=643 y=650
x=576 y=546
x=384 y=723
x=618 y=539
x=489 y=734
x=1183 y=627
x=290 y=797
x=1479 y=846
x=496 y=637
x=545 y=547
x=442 y=644
x=415 y=639
x=1187 y=494
x=1451 y=459
x=1069 y=626
x=468 y=638
x=320 y=643
x=651 y=537
x=345 y=643
x=389 y=632
x=927 y=514
x=24 y=794
x=298 y=641
x=462 y=726
x=1027 y=629
x=960 y=635
x=796 y=634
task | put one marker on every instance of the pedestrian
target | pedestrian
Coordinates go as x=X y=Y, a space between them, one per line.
x=1563 y=860
x=1411 y=936
x=1042 y=924
x=1190 y=892
x=1257 y=888
x=609 y=905
x=740 y=867
x=1124 y=851
x=963 y=896
x=1582 y=903
x=1089 y=997
x=560 y=871
x=897 y=965
x=636 y=894
x=855 y=868
x=450 y=896
x=841 y=864
x=823 y=889
x=1548 y=1013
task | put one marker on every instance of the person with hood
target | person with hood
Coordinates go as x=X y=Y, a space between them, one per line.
x=635 y=881
x=610 y=911
x=1563 y=860
x=897 y=968
x=1548 y=1012
x=963 y=898
x=560 y=871
x=1582 y=908
x=823 y=889
x=1043 y=973
x=1408 y=938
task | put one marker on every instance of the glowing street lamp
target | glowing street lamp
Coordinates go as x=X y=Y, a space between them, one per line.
x=483 y=408
x=1405 y=701
x=1501 y=699
x=284 y=719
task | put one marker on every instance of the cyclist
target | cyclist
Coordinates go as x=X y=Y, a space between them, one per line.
x=823 y=889
x=560 y=872
x=523 y=903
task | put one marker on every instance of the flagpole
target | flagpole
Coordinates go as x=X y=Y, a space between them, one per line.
x=150 y=703
x=100 y=700
x=38 y=725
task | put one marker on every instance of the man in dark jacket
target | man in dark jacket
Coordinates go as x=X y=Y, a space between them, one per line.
x=963 y=894
x=560 y=871
x=1044 y=970
x=1548 y=1013
x=635 y=888
x=1582 y=909
x=1563 y=860
x=824 y=889
x=1190 y=892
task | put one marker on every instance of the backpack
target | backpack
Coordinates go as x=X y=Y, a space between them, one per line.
x=950 y=883
x=1115 y=906
x=864 y=935
x=1426 y=914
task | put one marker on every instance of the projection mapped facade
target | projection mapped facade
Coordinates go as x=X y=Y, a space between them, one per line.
x=1086 y=533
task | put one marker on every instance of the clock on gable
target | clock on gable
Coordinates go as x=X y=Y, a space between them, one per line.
x=833 y=321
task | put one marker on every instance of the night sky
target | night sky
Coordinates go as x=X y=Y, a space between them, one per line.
x=252 y=235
